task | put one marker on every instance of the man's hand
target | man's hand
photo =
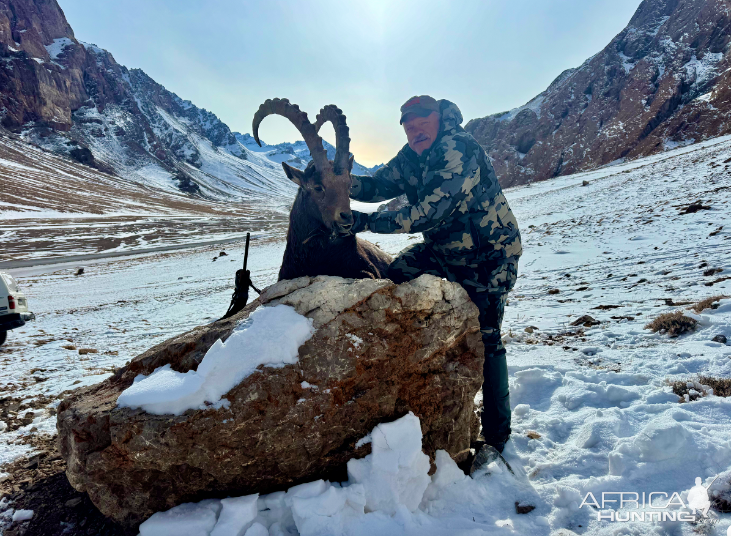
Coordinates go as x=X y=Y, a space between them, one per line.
x=360 y=222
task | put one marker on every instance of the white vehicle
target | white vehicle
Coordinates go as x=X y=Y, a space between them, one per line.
x=14 y=311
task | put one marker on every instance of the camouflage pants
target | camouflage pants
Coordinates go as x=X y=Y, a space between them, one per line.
x=488 y=286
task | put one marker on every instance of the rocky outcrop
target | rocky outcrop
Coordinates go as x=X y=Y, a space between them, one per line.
x=660 y=83
x=379 y=350
x=74 y=99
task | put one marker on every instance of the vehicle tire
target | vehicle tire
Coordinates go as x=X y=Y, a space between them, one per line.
x=3 y=336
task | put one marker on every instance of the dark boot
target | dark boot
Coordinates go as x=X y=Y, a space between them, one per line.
x=496 y=416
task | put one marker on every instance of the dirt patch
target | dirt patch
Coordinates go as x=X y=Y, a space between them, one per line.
x=671 y=303
x=16 y=414
x=586 y=321
x=696 y=206
x=718 y=280
x=39 y=483
x=674 y=324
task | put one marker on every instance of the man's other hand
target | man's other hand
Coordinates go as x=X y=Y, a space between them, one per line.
x=360 y=222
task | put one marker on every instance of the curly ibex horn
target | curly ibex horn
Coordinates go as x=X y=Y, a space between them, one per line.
x=334 y=114
x=298 y=118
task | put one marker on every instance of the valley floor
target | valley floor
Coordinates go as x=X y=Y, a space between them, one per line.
x=593 y=407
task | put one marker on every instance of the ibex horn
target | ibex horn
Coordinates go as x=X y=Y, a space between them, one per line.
x=334 y=114
x=298 y=118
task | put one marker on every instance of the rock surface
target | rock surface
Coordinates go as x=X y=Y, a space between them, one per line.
x=379 y=351
x=663 y=81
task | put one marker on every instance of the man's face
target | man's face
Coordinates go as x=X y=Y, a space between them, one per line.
x=421 y=131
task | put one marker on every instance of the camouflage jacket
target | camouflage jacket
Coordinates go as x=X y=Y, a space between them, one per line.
x=454 y=197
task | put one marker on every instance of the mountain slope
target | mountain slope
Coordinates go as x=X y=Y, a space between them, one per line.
x=74 y=99
x=661 y=82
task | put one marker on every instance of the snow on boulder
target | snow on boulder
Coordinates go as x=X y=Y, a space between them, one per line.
x=270 y=337
x=285 y=392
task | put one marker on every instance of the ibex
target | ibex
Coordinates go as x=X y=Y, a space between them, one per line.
x=319 y=239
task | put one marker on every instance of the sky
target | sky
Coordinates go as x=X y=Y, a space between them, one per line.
x=367 y=57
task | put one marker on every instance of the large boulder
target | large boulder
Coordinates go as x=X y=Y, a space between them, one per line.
x=379 y=350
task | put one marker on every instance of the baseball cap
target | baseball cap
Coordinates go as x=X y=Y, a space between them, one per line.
x=422 y=106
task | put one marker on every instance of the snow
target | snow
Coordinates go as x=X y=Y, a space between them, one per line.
x=22 y=515
x=56 y=48
x=93 y=48
x=190 y=519
x=395 y=475
x=534 y=105
x=606 y=422
x=237 y=515
x=701 y=71
x=270 y=337
x=628 y=62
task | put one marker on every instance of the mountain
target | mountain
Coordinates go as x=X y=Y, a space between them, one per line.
x=296 y=154
x=662 y=82
x=74 y=99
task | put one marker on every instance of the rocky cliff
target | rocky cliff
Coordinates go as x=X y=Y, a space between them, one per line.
x=662 y=82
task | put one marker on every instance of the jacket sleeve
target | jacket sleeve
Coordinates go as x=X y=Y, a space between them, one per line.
x=384 y=184
x=446 y=190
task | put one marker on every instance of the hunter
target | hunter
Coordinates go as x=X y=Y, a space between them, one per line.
x=470 y=234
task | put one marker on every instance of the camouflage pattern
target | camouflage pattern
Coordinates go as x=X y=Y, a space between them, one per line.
x=488 y=285
x=470 y=237
x=454 y=197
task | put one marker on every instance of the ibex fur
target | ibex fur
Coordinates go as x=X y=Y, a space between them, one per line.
x=319 y=239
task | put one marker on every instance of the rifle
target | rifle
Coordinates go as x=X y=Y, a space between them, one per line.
x=242 y=282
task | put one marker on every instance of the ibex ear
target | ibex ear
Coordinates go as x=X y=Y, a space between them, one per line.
x=294 y=174
x=350 y=163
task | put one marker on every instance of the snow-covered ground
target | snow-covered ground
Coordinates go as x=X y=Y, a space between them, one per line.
x=592 y=408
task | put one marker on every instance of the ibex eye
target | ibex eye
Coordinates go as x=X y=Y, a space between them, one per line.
x=318 y=189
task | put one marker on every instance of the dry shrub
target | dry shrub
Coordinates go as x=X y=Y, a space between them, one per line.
x=674 y=324
x=707 y=303
x=698 y=388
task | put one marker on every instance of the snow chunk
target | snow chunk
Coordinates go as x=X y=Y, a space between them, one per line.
x=189 y=519
x=395 y=472
x=237 y=515
x=22 y=515
x=322 y=513
x=660 y=440
x=271 y=337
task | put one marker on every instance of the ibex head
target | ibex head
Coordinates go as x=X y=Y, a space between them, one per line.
x=325 y=184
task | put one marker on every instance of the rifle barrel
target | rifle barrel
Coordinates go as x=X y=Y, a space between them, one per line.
x=246 y=252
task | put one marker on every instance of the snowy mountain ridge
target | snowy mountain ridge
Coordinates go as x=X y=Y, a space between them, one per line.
x=296 y=154
x=74 y=99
